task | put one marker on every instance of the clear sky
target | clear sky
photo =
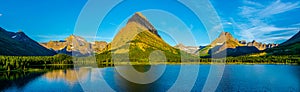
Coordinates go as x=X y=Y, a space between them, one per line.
x=262 y=20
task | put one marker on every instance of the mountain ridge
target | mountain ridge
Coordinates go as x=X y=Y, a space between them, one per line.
x=289 y=47
x=72 y=45
x=19 y=44
x=230 y=46
x=293 y=39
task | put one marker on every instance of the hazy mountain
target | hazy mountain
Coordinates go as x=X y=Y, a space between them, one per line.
x=139 y=38
x=19 y=44
x=72 y=45
x=188 y=49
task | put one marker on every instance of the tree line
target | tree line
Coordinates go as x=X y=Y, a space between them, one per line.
x=8 y=63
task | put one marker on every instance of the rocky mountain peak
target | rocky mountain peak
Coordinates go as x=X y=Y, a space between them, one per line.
x=72 y=45
x=227 y=35
x=140 y=19
x=70 y=38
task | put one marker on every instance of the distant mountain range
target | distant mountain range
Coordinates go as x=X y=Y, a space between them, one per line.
x=19 y=44
x=188 y=49
x=75 y=45
x=139 y=38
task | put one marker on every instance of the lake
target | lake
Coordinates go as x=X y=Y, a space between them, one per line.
x=280 y=78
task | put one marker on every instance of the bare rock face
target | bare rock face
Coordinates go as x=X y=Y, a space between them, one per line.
x=98 y=46
x=72 y=45
x=140 y=19
x=261 y=46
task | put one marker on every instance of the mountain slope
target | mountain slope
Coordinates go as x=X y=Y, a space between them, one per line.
x=139 y=39
x=289 y=47
x=294 y=39
x=223 y=42
x=19 y=44
x=227 y=44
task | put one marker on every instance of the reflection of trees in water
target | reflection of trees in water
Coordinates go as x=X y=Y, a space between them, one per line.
x=21 y=78
x=18 y=79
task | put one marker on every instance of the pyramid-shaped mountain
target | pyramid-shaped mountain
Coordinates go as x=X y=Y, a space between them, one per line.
x=139 y=38
x=227 y=45
x=223 y=42
x=19 y=44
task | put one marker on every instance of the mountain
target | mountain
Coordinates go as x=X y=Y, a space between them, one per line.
x=139 y=39
x=72 y=45
x=226 y=43
x=294 y=39
x=19 y=44
x=289 y=47
x=259 y=45
x=223 y=42
x=142 y=21
x=98 y=46
x=188 y=49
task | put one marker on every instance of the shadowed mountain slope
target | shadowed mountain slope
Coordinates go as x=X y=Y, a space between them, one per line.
x=19 y=44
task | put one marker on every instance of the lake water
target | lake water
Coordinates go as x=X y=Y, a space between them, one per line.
x=280 y=78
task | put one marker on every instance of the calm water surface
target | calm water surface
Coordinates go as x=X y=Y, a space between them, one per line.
x=235 y=78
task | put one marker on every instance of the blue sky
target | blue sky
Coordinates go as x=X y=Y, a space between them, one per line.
x=262 y=20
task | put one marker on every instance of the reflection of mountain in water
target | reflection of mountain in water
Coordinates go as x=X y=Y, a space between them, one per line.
x=68 y=75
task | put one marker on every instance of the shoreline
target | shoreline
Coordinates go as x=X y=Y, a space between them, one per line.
x=31 y=69
x=202 y=63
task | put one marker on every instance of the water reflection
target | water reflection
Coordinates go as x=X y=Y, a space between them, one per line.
x=235 y=78
x=17 y=79
x=68 y=75
x=267 y=78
